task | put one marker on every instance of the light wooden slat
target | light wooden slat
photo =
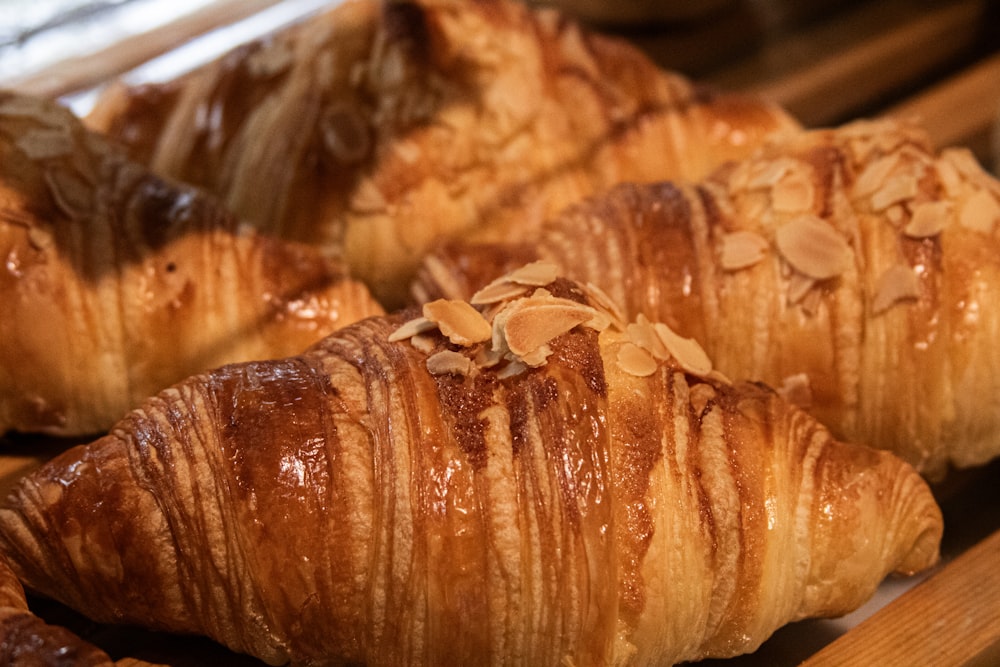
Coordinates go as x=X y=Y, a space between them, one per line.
x=951 y=619
x=76 y=74
x=847 y=64
x=962 y=110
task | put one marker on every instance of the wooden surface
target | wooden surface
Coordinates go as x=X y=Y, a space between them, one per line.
x=827 y=61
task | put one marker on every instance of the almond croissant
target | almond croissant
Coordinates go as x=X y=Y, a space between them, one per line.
x=117 y=283
x=854 y=268
x=376 y=127
x=530 y=482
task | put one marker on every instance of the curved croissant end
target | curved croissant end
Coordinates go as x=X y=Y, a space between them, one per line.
x=530 y=480
x=119 y=283
x=850 y=268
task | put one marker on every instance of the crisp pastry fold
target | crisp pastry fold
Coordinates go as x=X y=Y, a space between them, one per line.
x=118 y=283
x=375 y=128
x=530 y=481
x=852 y=268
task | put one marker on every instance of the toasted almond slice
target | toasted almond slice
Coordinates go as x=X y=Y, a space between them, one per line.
x=541 y=272
x=765 y=174
x=487 y=357
x=537 y=357
x=411 y=328
x=497 y=291
x=688 y=353
x=899 y=282
x=529 y=327
x=980 y=212
x=813 y=247
x=513 y=368
x=642 y=334
x=424 y=342
x=45 y=144
x=898 y=188
x=874 y=175
x=794 y=193
x=742 y=249
x=459 y=321
x=799 y=285
x=636 y=361
x=928 y=219
x=950 y=179
x=449 y=362
x=602 y=300
x=700 y=396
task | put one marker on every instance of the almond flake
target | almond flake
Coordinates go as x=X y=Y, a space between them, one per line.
x=497 y=291
x=766 y=174
x=636 y=361
x=686 y=351
x=950 y=179
x=46 y=144
x=700 y=395
x=536 y=274
x=449 y=362
x=793 y=194
x=510 y=370
x=537 y=357
x=411 y=328
x=424 y=343
x=529 y=327
x=874 y=175
x=799 y=286
x=459 y=321
x=901 y=187
x=601 y=299
x=643 y=334
x=813 y=247
x=742 y=249
x=928 y=219
x=980 y=212
x=897 y=283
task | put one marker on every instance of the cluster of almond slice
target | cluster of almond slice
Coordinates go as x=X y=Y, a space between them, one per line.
x=513 y=320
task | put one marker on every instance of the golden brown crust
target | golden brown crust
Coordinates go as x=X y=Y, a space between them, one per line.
x=847 y=268
x=357 y=503
x=389 y=125
x=118 y=283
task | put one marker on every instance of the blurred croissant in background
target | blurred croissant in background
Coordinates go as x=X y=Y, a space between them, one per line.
x=852 y=268
x=118 y=283
x=530 y=481
x=376 y=128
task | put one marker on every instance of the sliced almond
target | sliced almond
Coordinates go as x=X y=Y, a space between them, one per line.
x=742 y=249
x=449 y=362
x=497 y=291
x=874 y=175
x=46 y=144
x=605 y=302
x=643 y=334
x=459 y=321
x=793 y=194
x=928 y=219
x=799 y=286
x=813 y=247
x=537 y=273
x=899 y=282
x=700 y=396
x=411 y=328
x=686 y=351
x=980 y=212
x=898 y=188
x=510 y=370
x=529 y=327
x=766 y=173
x=424 y=342
x=636 y=361
x=950 y=179
x=537 y=357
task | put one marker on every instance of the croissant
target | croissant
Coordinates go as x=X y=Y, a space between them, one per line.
x=851 y=267
x=390 y=124
x=526 y=482
x=118 y=283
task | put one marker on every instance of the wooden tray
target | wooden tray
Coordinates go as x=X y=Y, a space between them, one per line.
x=826 y=61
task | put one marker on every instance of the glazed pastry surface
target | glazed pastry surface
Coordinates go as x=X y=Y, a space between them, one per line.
x=117 y=283
x=376 y=128
x=851 y=268
x=528 y=481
